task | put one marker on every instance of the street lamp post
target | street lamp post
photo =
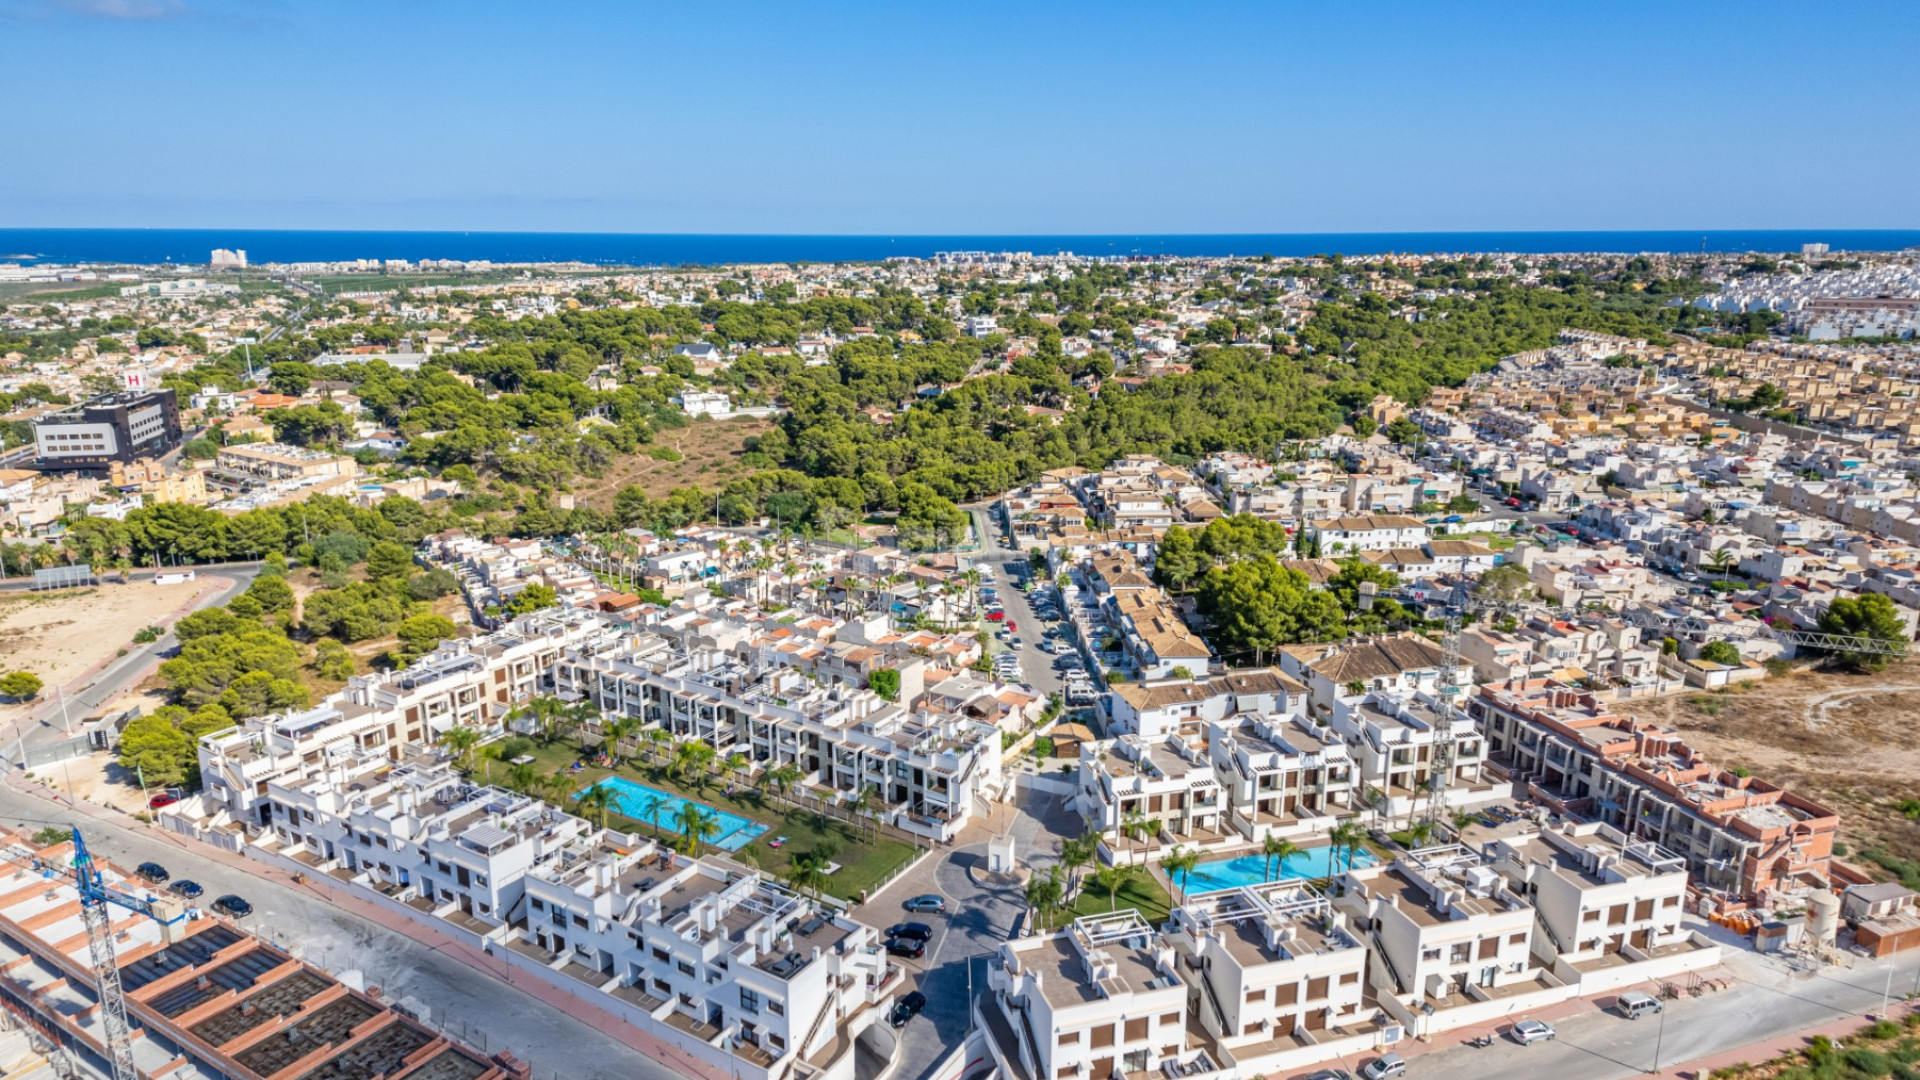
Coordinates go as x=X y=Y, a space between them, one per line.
x=1659 y=1038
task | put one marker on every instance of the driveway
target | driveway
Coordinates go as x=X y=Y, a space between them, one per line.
x=979 y=917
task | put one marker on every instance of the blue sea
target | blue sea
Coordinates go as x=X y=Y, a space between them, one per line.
x=192 y=246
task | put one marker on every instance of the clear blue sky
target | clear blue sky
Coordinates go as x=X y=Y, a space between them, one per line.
x=978 y=117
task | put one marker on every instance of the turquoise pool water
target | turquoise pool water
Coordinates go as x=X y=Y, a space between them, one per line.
x=653 y=806
x=1252 y=869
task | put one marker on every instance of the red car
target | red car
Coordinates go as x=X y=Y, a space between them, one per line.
x=165 y=798
x=1012 y=627
x=996 y=615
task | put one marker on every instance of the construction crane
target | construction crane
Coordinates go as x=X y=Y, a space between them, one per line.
x=95 y=898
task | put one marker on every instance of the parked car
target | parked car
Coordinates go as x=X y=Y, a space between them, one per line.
x=165 y=798
x=996 y=615
x=185 y=889
x=919 y=931
x=906 y=1009
x=1528 y=1032
x=1330 y=1074
x=233 y=907
x=1633 y=1005
x=153 y=872
x=907 y=947
x=1384 y=1067
x=927 y=902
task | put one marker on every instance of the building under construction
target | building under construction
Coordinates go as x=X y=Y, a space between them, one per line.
x=203 y=998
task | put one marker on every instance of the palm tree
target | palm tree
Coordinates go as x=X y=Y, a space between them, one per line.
x=650 y=806
x=696 y=826
x=616 y=732
x=1346 y=838
x=595 y=802
x=460 y=742
x=661 y=739
x=1720 y=560
x=807 y=873
x=1110 y=880
x=522 y=777
x=1135 y=826
x=1420 y=832
x=487 y=755
x=1180 y=861
x=1078 y=852
x=683 y=755
x=1043 y=895
x=780 y=776
x=558 y=787
x=737 y=763
x=700 y=756
x=1277 y=850
x=862 y=803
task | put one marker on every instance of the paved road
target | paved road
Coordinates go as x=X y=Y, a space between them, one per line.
x=1036 y=667
x=980 y=916
x=487 y=1013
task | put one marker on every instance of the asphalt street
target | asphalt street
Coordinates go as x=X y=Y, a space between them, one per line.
x=472 y=1006
x=980 y=915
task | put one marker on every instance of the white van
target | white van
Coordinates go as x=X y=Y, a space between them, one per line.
x=1633 y=1005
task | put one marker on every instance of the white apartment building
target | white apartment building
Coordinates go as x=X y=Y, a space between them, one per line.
x=1599 y=895
x=1283 y=775
x=732 y=959
x=1370 y=532
x=927 y=768
x=1280 y=974
x=1092 y=1002
x=1445 y=924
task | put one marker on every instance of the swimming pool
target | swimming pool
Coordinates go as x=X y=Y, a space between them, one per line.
x=655 y=807
x=1252 y=869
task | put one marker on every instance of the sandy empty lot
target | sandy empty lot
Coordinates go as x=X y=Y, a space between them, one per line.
x=1848 y=740
x=60 y=636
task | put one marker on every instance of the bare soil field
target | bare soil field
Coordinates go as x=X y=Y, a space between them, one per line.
x=710 y=455
x=1848 y=740
x=61 y=636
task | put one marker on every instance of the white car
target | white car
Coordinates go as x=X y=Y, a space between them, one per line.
x=1384 y=1067
x=1528 y=1032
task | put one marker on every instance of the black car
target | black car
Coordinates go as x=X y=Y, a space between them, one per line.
x=907 y=1008
x=233 y=907
x=910 y=948
x=153 y=872
x=185 y=889
x=917 y=931
x=1330 y=1074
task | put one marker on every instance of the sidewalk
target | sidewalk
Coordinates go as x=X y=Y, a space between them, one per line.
x=326 y=888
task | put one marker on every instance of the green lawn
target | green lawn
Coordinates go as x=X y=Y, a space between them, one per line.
x=864 y=862
x=1142 y=892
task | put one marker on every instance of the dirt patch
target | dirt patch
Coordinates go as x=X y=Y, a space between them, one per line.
x=62 y=636
x=710 y=455
x=1843 y=739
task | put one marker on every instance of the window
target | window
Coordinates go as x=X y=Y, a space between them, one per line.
x=1135 y=1061
x=1103 y=1036
x=749 y=1000
x=1286 y=994
x=1136 y=1029
x=661 y=955
x=1518 y=939
x=776 y=1008
x=1171 y=1018
x=1069 y=1038
x=1489 y=948
x=1256 y=995
x=1349 y=978
x=685 y=968
x=1317 y=988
